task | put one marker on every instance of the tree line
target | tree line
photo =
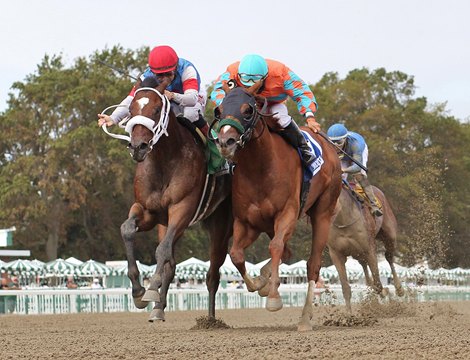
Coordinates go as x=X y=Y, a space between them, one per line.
x=67 y=186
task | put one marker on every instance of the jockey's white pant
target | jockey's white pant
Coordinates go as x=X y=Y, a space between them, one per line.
x=192 y=112
x=282 y=117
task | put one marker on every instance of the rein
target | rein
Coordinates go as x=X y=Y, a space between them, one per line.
x=158 y=128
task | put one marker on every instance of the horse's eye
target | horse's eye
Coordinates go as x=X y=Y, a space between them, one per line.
x=248 y=112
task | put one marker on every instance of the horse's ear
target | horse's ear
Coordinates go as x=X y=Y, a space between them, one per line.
x=253 y=89
x=217 y=113
x=227 y=86
x=163 y=85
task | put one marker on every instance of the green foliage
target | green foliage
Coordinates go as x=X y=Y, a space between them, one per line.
x=67 y=186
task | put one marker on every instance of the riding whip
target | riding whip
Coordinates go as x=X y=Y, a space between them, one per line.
x=117 y=69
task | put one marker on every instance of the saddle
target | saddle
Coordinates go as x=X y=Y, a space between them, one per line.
x=216 y=164
x=359 y=195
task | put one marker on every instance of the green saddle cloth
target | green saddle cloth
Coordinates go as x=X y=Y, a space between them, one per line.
x=215 y=161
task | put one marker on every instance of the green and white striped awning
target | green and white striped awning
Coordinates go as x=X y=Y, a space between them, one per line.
x=94 y=268
x=23 y=267
x=60 y=267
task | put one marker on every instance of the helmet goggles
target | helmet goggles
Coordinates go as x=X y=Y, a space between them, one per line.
x=250 y=79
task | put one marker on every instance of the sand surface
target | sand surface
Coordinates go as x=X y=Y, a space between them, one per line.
x=379 y=331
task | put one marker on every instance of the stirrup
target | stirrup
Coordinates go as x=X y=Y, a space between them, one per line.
x=376 y=211
x=308 y=157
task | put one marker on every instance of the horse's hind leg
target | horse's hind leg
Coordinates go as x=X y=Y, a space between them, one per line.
x=365 y=268
x=389 y=244
x=128 y=231
x=220 y=231
x=374 y=269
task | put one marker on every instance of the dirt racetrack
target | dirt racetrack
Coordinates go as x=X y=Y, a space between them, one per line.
x=391 y=331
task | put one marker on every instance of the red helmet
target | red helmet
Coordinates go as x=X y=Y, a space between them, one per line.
x=162 y=59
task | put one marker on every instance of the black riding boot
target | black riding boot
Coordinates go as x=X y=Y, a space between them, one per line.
x=367 y=187
x=293 y=135
x=202 y=125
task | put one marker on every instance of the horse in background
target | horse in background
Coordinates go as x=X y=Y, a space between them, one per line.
x=354 y=233
x=169 y=185
x=266 y=193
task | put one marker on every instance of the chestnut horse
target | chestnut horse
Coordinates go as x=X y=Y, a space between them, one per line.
x=266 y=193
x=169 y=183
x=354 y=233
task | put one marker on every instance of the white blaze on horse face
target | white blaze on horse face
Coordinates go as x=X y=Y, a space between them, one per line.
x=226 y=128
x=142 y=102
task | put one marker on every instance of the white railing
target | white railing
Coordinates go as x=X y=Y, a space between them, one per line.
x=62 y=301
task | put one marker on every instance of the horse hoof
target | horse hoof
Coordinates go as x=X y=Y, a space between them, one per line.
x=139 y=303
x=151 y=295
x=264 y=291
x=400 y=292
x=385 y=292
x=274 y=304
x=157 y=315
x=304 y=326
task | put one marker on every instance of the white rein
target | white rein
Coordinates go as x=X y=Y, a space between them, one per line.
x=158 y=128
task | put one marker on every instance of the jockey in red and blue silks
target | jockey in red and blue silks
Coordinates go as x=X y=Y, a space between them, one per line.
x=185 y=92
x=279 y=83
x=355 y=146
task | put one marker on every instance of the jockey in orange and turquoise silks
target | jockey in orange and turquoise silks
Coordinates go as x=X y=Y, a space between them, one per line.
x=279 y=83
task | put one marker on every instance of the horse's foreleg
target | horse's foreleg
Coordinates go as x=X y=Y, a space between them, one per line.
x=340 y=263
x=128 y=231
x=219 y=225
x=243 y=236
x=396 y=280
x=283 y=228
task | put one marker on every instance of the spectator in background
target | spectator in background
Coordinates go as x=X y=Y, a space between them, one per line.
x=70 y=284
x=96 y=284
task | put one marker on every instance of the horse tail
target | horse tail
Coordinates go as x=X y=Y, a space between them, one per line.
x=286 y=254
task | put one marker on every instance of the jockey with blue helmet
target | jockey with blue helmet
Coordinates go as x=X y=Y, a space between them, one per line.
x=355 y=146
x=185 y=92
x=279 y=83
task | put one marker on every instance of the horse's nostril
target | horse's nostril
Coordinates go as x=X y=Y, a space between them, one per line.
x=144 y=146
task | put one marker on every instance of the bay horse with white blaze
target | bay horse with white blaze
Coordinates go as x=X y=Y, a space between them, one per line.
x=169 y=183
x=266 y=193
x=354 y=233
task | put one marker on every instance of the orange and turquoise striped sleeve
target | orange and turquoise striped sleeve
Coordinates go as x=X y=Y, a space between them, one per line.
x=218 y=94
x=300 y=92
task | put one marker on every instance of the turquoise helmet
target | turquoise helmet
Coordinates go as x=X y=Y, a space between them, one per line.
x=337 y=132
x=252 y=68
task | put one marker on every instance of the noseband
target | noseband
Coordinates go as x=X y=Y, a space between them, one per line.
x=158 y=128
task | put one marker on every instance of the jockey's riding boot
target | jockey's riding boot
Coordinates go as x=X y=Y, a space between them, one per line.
x=367 y=187
x=202 y=125
x=293 y=135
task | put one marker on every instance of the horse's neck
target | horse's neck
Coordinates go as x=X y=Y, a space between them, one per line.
x=167 y=149
x=256 y=157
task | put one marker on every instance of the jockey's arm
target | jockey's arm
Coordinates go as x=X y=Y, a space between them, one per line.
x=189 y=98
x=354 y=168
x=218 y=94
x=118 y=114
x=190 y=89
x=300 y=92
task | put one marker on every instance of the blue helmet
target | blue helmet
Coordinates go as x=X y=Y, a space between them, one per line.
x=337 y=132
x=252 y=68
